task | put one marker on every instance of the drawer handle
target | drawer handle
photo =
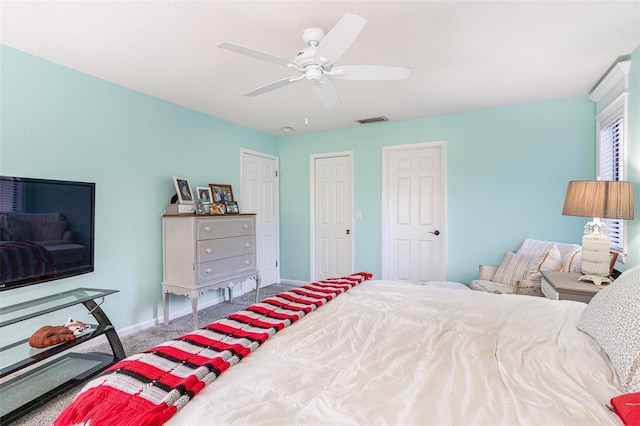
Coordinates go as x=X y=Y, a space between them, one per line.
x=245 y=226
x=207 y=228
x=209 y=250
x=246 y=262
x=247 y=245
x=208 y=271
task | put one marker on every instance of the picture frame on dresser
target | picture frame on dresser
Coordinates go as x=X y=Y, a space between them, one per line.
x=221 y=192
x=231 y=207
x=183 y=190
x=202 y=208
x=204 y=194
x=217 y=208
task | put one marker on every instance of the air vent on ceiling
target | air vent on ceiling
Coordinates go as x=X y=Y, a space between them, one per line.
x=373 y=120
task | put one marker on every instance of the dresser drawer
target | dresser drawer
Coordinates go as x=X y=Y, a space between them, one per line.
x=221 y=248
x=208 y=228
x=219 y=268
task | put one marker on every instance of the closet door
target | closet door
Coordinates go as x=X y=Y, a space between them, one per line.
x=260 y=194
x=413 y=202
x=332 y=219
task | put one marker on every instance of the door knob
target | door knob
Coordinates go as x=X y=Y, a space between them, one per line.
x=436 y=232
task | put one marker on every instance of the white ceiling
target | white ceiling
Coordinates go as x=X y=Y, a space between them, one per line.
x=463 y=55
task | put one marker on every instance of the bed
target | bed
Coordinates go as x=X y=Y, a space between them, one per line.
x=392 y=353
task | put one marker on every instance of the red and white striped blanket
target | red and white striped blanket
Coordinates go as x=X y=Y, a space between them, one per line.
x=148 y=388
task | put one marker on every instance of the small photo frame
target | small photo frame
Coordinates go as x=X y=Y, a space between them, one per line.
x=202 y=208
x=221 y=193
x=204 y=194
x=217 y=208
x=613 y=256
x=183 y=190
x=232 y=207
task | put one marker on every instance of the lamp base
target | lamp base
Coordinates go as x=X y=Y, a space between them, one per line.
x=595 y=255
x=595 y=279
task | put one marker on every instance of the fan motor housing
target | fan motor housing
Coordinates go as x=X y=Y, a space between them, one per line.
x=313 y=74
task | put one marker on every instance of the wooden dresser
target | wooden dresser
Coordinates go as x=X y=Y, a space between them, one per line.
x=202 y=253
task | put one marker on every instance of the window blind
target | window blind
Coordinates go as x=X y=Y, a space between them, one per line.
x=611 y=168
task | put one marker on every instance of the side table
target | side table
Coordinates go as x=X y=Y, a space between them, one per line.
x=565 y=286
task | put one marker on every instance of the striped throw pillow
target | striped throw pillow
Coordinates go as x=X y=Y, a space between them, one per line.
x=531 y=284
x=515 y=267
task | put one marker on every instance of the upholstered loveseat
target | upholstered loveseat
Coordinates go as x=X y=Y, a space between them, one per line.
x=50 y=230
x=520 y=272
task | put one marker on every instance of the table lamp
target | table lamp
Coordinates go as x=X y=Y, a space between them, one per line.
x=598 y=199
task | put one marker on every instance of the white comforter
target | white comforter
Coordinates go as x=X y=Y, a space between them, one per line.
x=388 y=353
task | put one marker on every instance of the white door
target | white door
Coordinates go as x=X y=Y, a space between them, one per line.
x=331 y=208
x=260 y=195
x=413 y=213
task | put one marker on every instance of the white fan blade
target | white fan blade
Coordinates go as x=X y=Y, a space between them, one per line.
x=263 y=56
x=339 y=38
x=370 y=72
x=272 y=86
x=327 y=93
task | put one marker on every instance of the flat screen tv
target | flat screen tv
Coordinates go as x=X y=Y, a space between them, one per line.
x=46 y=230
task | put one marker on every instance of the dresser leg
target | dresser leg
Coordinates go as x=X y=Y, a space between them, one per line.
x=165 y=308
x=194 y=307
x=257 y=278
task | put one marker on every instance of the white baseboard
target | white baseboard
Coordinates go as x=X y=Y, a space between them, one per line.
x=135 y=328
x=293 y=282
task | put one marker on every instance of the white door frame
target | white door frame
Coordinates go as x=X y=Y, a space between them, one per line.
x=312 y=206
x=243 y=152
x=384 y=263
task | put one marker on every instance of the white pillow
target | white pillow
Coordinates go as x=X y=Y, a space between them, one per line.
x=531 y=284
x=612 y=318
x=552 y=261
x=573 y=261
x=515 y=267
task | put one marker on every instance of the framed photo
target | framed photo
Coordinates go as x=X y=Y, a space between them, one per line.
x=613 y=256
x=183 y=189
x=202 y=208
x=204 y=194
x=232 y=207
x=217 y=208
x=221 y=193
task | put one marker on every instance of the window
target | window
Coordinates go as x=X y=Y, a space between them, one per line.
x=610 y=96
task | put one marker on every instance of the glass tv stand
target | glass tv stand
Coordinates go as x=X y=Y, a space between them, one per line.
x=26 y=388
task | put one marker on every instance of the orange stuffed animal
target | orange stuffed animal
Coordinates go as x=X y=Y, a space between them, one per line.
x=50 y=335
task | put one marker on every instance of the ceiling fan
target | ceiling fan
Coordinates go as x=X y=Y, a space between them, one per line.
x=316 y=61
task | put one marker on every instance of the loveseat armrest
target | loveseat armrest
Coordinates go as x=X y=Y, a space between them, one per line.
x=68 y=236
x=487 y=272
x=530 y=287
x=491 y=287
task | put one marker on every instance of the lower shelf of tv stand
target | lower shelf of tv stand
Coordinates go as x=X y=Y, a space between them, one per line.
x=21 y=355
x=40 y=385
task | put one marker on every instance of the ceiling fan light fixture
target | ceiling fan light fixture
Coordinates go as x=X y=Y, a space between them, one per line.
x=313 y=74
x=373 y=120
x=316 y=61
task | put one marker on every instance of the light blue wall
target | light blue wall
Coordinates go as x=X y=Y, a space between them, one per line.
x=507 y=173
x=61 y=124
x=633 y=158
